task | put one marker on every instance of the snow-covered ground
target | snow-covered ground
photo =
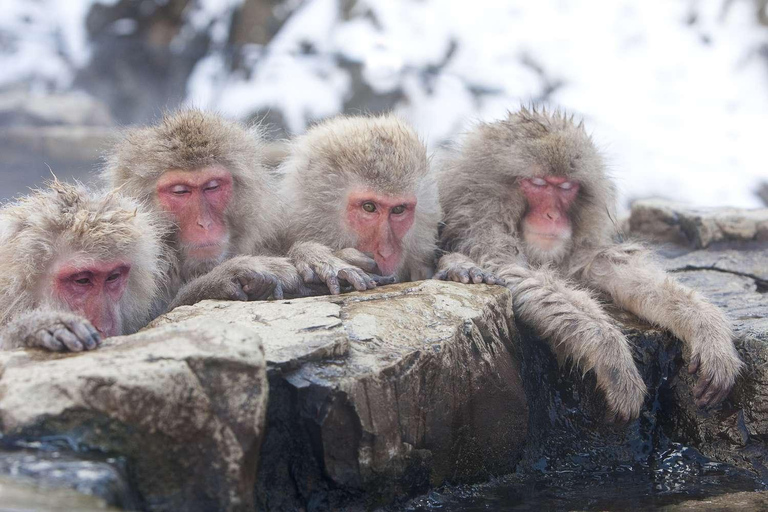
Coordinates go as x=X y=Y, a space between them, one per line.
x=674 y=91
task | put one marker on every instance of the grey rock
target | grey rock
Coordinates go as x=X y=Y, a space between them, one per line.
x=667 y=221
x=736 y=501
x=20 y=108
x=18 y=497
x=184 y=404
x=378 y=394
x=104 y=479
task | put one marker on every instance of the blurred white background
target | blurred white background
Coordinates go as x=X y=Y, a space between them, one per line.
x=674 y=91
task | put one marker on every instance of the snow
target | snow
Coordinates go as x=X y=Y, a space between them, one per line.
x=43 y=42
x=674 y=92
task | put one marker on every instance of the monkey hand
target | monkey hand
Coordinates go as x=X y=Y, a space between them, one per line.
x=243 y=278
x=618 y=377
x=717 y=364
x=625 y=396
x=461 y=269
x=318 y=265
x=57 y=331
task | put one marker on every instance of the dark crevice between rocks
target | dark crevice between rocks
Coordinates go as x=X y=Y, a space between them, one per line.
x=291 y=473
x=761 y=284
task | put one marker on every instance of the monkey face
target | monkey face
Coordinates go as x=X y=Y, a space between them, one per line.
x=93 y=289
x=197 y=201
x=547 y=225
x=380 y=223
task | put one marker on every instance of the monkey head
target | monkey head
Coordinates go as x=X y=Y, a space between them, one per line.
x=205 y=175
x=362 y=182
x=68 y=249
x=546 y=178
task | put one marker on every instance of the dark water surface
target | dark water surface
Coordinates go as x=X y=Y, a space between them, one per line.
x=680 y=474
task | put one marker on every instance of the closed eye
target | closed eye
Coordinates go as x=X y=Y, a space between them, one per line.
x=211 y=185
x=179 y=190
x=113 y=277
x=83 y=281
x=538 y=182
x=567 y=185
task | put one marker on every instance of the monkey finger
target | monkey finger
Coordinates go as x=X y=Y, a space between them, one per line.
x=47 y=341
x=68 y=339
x=353 y=278
x=381 y=280
x=722 y=395
x=84 y=335
x=476 y=275
x=333 y=285
x=693 y=366
x=369 y=281
x=701 y=387
x=714 y=391
x=277 y=293
x=358 y=259
x=441 y=276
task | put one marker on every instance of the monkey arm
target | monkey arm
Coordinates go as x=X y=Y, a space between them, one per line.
x=317 y=264
x=634 y=282
x=485 y=243
x=577 y=328
x=50 y=329
x=244 y=278
x=460 y=268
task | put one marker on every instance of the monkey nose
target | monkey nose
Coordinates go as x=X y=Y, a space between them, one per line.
x=204 y=223
x=386 y=250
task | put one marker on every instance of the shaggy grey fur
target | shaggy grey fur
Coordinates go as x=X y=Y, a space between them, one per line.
x=555 y=292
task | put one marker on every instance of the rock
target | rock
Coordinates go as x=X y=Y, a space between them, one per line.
x=104 y=479
x=183 y=404
x=19 y=108
x=666 y=221
x=16 y=497
x=383 y=393
x=736 y=501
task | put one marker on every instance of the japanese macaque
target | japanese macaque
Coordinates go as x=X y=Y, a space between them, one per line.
x=204 y=175
x=361 y=204
x=529 y=199
x=77 y=267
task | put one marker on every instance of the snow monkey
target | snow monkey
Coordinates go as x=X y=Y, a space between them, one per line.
x=76 y=267
x=204 y=174
x=528 y=197
x=361 y=186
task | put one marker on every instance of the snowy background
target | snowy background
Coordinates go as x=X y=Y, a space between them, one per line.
x=674 y=92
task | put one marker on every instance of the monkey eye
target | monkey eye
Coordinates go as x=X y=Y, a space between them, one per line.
x=566 y=185
x=538 y=182
x=211 y=185
x=397 y=210
x=113 y=277
x=83 y=281
x=369 y=207
x=179 y=190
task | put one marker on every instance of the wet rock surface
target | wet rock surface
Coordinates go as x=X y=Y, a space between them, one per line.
x=382 y=394
x=16 y=497
x=183 y=406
